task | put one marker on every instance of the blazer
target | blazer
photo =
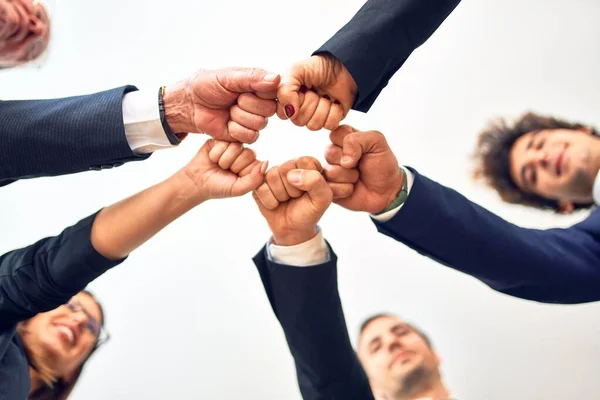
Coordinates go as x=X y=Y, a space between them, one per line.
x=381 y=37
x=36 y=279
x=63 y=136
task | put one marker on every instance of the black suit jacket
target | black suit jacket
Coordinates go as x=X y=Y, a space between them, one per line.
x=307 y=304
x=381 y=37
x=63 y=136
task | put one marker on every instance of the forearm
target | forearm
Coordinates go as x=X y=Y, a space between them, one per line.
x=124 y=226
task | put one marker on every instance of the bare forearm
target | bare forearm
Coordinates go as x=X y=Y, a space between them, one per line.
x=126 y=225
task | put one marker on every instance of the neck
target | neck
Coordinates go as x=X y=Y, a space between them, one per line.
x=435 y=391
x=36 y=381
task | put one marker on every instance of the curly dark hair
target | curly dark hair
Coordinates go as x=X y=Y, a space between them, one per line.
x=492 y=157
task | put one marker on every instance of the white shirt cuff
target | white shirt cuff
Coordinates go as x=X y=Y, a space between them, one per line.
x=386 y=216
x=312 y=252
x=143 y=129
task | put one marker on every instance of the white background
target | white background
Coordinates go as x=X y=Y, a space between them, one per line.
x=187 y=311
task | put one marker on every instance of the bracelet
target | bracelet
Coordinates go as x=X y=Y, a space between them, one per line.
x=400 y=197
x=174 y=138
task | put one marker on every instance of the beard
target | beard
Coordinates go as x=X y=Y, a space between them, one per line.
x=581 y=186
x=416 y=381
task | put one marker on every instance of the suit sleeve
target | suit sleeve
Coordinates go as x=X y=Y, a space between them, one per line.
x=552 y=266
x=306 y=302
x=48 y=273
x=63 y=136
x=381 y=37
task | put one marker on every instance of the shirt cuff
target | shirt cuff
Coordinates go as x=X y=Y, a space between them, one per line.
x=386 y=216
x=143 y=129
x=312 y=252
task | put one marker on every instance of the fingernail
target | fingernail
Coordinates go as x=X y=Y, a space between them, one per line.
x=270 y=77
x=294 y=176
x=326 y=97
x=303 y=89
x=264 y=166
x=346 y=159
x=289 y=110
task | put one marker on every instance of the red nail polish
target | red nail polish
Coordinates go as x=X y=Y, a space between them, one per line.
x=303 y=89
x=326 y=97
x=312 y=89
x=289 y=110
x=336 y=102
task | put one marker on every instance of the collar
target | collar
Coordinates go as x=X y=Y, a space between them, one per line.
x=596 y=189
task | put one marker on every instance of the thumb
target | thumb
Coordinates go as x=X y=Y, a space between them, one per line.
x=357 y=144
x=288 y=92
x=251 y=181
x=246 y=80
x=314 y=184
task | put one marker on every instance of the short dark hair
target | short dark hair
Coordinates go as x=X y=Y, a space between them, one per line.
x=492 y=157
x=374 y=317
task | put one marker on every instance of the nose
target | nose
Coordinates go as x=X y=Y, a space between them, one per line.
x=538 y=157
x=80 y=318
x=393 y=342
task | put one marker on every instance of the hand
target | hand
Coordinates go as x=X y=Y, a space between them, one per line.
x=317 y=92
x=293 y=199
x=379 y=178
x=24 y=31
x=222 y=169
x=229 y=104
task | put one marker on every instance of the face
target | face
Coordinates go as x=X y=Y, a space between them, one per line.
x=66 y=335
x=559 y=164
x=395 y=357
x=24 y=31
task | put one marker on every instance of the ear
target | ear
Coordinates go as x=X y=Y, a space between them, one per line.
x=586 y=129
x=565 y=207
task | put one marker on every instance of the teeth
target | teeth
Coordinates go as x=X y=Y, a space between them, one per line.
x=67 y=331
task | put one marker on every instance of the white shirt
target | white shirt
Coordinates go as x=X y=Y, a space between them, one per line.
x=596 y=190
x=143 y=129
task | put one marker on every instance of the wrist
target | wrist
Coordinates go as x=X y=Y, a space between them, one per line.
x=185 y=190
x=395 y=197
x=178 y=108
x=293 y=238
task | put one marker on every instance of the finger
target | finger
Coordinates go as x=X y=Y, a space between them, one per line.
x=252 y=103
x=291 y=190
x=241 y=133
x=341 y=190
x=314 y=184
x=333 y=154
x=217 y=150
x=307 y=108
x=287 y=93
x=308 y=162
x=247 y=120
x=244 y=80
x=266 y=197
x=246 y=159
x=336 y=115
x=245 y=171
x=358 y=143
x=337 y=174
x=273 y=179
x=337 y=136
x=267 y=95
x=317 y=121
x=251 y=181
x=230 y=155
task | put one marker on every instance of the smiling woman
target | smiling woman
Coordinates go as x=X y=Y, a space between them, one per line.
x=58 y=343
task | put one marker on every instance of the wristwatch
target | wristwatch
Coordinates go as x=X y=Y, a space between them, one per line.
x=400 y=197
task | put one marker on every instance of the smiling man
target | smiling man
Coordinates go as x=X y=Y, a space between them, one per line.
x=399 y=360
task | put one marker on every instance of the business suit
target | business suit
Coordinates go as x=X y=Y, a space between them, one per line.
x=36 y=279
x=551 y=266
x=63 y=136
x=307 y=304
x=381 y=37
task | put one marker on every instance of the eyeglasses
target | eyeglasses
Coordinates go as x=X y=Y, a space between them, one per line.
x=92 y=324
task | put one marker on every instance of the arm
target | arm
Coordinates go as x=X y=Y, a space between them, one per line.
x=299 y=276
x=107 y=129
x=306 y=302
x=45 y=275
x=381 y=37
x=554 y=265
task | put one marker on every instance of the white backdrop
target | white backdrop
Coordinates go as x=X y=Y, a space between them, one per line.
x=187 y=312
